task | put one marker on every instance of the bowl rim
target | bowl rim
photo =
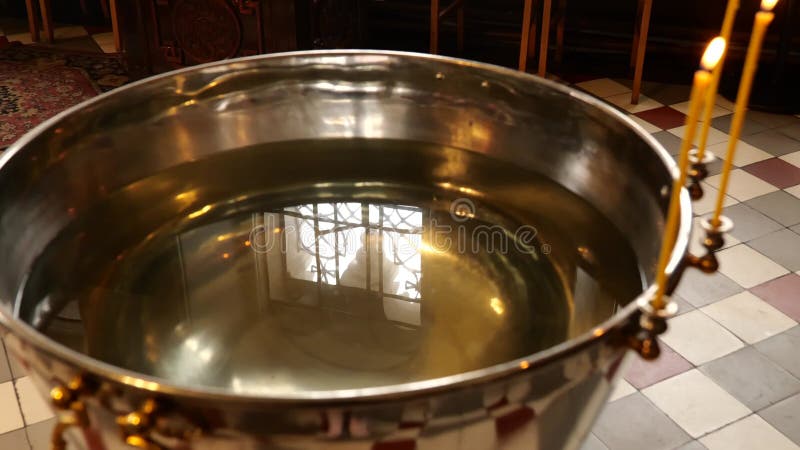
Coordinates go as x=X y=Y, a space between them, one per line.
x=497 y=372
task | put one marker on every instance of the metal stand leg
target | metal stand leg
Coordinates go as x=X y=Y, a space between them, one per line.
x=47 y=20
x=33 y=24
x=545 y=37
x=640 y=50
x=526 y=30
x=115 y=25
x=434 y=27
x=560 y=24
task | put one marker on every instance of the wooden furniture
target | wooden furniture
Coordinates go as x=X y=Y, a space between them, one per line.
x=527 y=47
x=178 y=33
x=640 y=46
x=528 y=41
x=638 y=49
x=437 y=14
x=109 y=10
x=527 y=36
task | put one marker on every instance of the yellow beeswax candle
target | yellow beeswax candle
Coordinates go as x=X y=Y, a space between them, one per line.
x=711 y=96
x=702 y=79
x=762 y=21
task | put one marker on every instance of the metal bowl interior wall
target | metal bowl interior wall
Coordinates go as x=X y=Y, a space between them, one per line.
x=188 y=158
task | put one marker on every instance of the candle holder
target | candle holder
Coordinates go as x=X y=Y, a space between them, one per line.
x=714 y=240
x=652 y=322
x=698 y=172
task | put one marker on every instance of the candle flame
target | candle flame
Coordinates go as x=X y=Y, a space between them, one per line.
x=767 y=5
x=713 y=53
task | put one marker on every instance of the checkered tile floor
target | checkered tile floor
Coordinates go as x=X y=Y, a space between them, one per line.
x=729 y=375
x=73 y=37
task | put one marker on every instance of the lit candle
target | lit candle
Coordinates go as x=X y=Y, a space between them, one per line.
x=727 y=26
x=702 y=79
x=762 y=21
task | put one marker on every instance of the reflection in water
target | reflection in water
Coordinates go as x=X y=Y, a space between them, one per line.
x=287 y=268
x=324 y=295
x=374 y=247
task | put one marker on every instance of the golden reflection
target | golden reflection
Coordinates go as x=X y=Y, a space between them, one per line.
x=461 y=189
x=57 y=394
x=427 y=248
x=200 y=212
x=497 y=305
x=188 y=196
x=141 y=384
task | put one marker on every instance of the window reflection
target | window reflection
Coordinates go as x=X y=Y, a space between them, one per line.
x=368 y=246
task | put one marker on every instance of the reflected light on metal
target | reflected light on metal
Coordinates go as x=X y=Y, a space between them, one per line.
x=200 y=212
x=497 y=305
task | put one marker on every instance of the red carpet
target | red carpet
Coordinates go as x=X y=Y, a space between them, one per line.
x=36 y=83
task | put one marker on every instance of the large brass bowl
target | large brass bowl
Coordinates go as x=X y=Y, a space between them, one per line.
x=116 y=146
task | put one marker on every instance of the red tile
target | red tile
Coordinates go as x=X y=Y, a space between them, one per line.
x=783 y=293
x=663 y=117
x=776 y=172
x=511 y=422
x=643 y=373
x=405 y=444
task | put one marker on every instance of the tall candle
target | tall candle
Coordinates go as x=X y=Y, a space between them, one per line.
x=762 y=21
x=711 y=97
x=702 y=79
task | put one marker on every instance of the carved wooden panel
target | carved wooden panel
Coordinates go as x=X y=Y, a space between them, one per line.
x=197 y=31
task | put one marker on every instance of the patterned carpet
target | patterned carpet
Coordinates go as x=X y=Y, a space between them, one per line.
x=38 y=82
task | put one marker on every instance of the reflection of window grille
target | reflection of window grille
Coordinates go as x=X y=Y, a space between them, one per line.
x=340 y=238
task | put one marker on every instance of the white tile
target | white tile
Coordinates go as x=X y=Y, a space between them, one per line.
x=698 y=338
x=450 y=438
x=749 y=317
x=716 y=111
x=69 y=32
x=794 y=190
x=750 y=433
x=649 y=127
x=745 y=153
x=695 y=402
x=24 y=38
x=603 y=87
x=743 y=186
x=709 y=201
x=714 y=135
x=10 y=417
x=624 y=102
x=621 y=389
x=105 y=41
x=34 y=407
x=792 y=158
x=480 y=435
x=698 y=234
x=725 y=103
x=747 y=267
